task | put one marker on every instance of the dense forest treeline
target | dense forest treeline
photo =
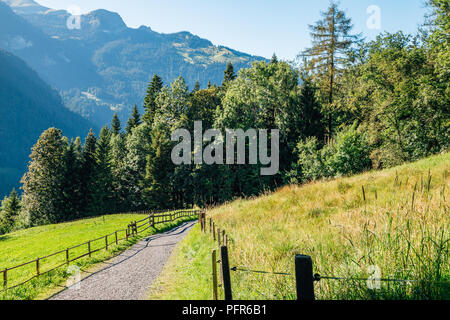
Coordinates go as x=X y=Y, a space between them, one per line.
x=347 y=106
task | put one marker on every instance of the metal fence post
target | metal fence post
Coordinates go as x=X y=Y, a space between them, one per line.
x=226 y=273
x=304 y=278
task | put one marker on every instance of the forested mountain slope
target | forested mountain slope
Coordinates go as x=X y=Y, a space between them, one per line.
x=27 y=106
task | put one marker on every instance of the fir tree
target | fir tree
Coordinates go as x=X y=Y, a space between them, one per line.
x=115 y=124
x=311 y=118
x=196 y=86
x=71 y=184
x=42 y=184
x=332 y=43
x=159 y=170
x=274 y=59
x=9 y=212
x=88 y=175
x=153 y=90
x=229 y=74
x=104 y=179
x=134 y=121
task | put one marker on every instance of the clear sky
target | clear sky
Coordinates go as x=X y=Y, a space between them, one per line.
x=259 y=27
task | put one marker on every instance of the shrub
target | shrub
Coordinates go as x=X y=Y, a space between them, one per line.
x=351 y=153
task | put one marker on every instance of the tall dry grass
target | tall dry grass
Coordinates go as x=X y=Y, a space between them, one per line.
x=394 y=221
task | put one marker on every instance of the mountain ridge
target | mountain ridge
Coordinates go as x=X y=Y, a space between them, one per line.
x=28 y=106
x=110 y=64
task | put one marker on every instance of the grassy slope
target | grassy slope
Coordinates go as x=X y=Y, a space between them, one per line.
x=344 y=235
x=26 y=245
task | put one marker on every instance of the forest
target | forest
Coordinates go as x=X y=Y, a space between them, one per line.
x=346 y=105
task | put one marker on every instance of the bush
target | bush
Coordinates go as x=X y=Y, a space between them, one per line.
x=310 y=164
x=351 y=153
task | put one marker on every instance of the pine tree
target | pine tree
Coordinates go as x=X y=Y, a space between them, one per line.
x=42 y=184
x=274 y=59
x=9 y=212
x=71 y=183
x=196 y=86
x=118 y=169
x=104 y=179
x=88 y=175
x=159 y=170
x=332 y=44
x=229 y=74
x=153 y=90
x=115 y=124
x=311 y=122
x=209 y=84
x=134 y=121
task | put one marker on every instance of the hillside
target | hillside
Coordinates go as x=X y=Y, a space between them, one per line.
x=402 y=227
x=26 y=245
x=110 y=65
x=28 y=106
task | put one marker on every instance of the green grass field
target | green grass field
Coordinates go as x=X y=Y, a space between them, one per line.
x=401 y=227
x=26 y=245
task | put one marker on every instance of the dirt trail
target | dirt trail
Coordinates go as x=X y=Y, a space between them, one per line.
x=129 y=275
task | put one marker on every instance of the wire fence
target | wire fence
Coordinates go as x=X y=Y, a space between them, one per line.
x=64 y=257
x=304 y=275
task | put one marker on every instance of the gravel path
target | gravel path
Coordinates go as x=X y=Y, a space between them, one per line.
x=129 y=275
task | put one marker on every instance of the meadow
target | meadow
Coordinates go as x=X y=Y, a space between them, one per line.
x=395 y=221
x=27 y=245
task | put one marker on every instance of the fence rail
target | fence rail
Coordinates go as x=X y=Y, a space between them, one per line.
x=152 y=219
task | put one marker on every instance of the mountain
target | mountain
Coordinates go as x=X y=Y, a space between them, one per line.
x=26 y=6
x=104 y=66
x=28 y=106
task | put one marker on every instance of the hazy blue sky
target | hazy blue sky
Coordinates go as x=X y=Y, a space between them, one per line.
x=259 y=27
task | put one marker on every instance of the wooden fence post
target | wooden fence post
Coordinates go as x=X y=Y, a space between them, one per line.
x=126 y=233
x=223 y=238
x=204 y=222
x=214 y=231
x=218 y=237
x=210 y=225
x=304 y=278
x=37 y=267
x=226 y=273
x=106 y=241
x=117 y=240
x=67 y=256
x=214 y=274
x=5 y=279
x=89 y=248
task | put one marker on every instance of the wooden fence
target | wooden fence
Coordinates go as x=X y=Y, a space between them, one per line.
x=152 y=219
